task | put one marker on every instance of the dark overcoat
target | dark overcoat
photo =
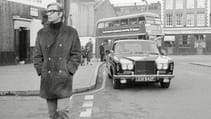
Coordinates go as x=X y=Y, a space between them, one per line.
x=56 y=59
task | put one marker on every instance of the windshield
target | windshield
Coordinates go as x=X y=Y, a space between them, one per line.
x=139 y=47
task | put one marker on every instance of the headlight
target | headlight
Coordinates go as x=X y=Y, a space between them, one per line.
x=130 y=66
x=162 y=66
x=165 y=66
x=162 y=63
x=126 y=64
x=159 y=66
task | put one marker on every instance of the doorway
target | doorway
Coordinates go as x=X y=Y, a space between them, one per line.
x=22 y=45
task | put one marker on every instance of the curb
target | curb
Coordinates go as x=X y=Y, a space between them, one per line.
x=37 y=92
x=20 y=93
x=92 y=83
x=200 y=64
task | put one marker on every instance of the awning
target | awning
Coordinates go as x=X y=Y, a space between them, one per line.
x=169 y=38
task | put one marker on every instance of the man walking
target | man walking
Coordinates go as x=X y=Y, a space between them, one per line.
x=56 y=58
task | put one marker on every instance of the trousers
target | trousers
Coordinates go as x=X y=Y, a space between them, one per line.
x=59 y=108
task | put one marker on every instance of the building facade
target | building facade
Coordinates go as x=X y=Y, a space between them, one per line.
x=187 y=26
x=83 y=15
x=137 y=8
x=19 y=20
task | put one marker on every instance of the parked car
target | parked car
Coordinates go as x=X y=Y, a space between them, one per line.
x=132 y=61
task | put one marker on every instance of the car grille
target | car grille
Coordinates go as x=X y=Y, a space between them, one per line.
x=145 y=67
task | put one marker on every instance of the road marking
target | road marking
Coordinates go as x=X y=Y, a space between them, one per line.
x=89 y=97
x=88 y=104
x=104 y=78
x=87 y=113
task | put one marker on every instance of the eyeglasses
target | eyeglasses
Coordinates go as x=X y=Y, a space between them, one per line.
x=52 y=11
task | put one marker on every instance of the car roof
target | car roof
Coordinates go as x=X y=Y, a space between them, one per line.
x=134 y=40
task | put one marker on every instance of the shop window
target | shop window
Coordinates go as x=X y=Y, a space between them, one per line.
x=200 y=41
x=169 y=44
x=184 y=41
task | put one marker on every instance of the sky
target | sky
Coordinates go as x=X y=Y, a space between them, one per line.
x=130 y=1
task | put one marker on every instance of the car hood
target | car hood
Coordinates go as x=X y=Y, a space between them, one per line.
x=147 y=57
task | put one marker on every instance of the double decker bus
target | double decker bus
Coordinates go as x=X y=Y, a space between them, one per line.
x=145 y=26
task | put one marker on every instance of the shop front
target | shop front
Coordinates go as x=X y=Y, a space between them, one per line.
x=188 y=41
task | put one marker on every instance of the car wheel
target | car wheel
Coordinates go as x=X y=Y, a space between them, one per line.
x=164 y=84
x=110 y=74
x=116 y=83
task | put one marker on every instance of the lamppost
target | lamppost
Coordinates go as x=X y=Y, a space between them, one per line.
x=147 y=5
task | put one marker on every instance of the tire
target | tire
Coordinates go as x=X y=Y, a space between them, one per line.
x=109 y=76
x=110 y=73
x=116 y=83
x=164 y=84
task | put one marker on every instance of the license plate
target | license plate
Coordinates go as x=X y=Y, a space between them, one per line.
x=147 y=78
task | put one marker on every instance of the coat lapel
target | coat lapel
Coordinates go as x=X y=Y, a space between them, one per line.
x=52 y=39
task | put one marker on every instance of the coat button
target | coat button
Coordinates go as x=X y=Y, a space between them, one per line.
x=60 y=71
x=60 y=45
x=48 y=46
x=49 y=58
x=60 y=58
x=49 y=71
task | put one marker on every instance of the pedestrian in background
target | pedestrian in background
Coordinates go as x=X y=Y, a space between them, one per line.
x=83 y=55
x=89 y=49
x=56 y=58
x=102 y=52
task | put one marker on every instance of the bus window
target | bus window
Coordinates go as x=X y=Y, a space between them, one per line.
x=150 y=20
x=116 y=23
x=100 y=25
x=157 y=21
x=124 y=22
x=133 y=21
x=141 y=20
x=108 y=24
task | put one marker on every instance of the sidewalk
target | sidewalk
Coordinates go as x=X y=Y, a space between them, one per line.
x=23 y=80
x=202 y=60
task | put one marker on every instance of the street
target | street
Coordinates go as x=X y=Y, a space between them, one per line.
x=188 y=97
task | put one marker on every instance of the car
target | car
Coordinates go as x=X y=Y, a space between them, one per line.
x=133 y=61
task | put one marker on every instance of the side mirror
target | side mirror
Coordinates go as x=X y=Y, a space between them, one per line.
x=163 y=52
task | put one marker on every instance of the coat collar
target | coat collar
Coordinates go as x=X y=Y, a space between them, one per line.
x=52 y=38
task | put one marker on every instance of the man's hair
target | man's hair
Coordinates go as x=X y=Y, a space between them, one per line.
x=60 y=8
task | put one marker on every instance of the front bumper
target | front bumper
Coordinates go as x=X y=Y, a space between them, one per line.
x=154 y=77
